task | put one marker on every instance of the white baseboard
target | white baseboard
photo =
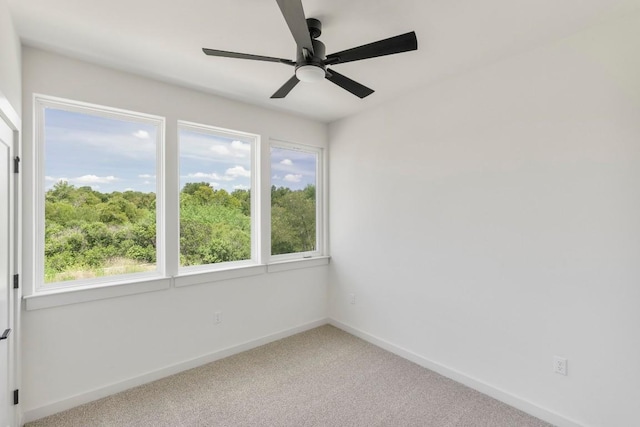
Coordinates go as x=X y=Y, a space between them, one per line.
x=489 y=390
x=496 y=393
x=89 y=396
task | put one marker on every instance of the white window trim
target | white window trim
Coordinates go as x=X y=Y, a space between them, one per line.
x=320 y=202
x=40 y=102
x=66 y=296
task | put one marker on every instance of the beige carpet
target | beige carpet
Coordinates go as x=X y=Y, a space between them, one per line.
x=322 y=377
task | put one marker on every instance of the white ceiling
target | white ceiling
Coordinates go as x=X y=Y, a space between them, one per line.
x=163 y=39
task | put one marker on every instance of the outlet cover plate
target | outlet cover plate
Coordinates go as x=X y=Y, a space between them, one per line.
x=559 y=365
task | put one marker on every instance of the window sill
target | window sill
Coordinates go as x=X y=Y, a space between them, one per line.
x=67 y=296
x=294 y=264
x=201 y=277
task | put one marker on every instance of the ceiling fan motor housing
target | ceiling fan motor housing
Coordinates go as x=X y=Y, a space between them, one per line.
x=315 y=27
x=316 y=60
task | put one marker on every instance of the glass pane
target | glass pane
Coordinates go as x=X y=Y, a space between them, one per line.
x=215 y=198
x=293 y=201
x=100 y=194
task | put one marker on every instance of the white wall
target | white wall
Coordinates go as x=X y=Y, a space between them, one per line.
x=74 y=352
x=492 y=221
x=10 y=78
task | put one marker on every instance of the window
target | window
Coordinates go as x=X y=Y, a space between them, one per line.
x=216 y=206
x=101 y=216
x=295 y=200
x=99 y=193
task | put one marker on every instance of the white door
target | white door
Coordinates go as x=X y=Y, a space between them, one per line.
x=7 y=343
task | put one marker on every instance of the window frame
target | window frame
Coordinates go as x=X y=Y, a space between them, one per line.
x=41 y=103
x=320 y=202
x=254 y=198
x=168 y=274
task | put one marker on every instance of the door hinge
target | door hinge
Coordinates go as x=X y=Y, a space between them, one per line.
x=16 y=396
x=16 y=281
x=16 y=165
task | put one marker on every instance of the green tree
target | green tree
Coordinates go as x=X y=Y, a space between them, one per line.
x=293 y=220
x=87 y=231
x=244 y=200
x=62 y=191
x=213 y=228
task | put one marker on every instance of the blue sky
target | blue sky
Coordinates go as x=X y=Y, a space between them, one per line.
x=292 y=168
x=224 y=163
x=106 y=154
x=117 y=155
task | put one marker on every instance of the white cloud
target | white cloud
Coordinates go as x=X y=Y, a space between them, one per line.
x=209 y=176
x=142 y=134
x=237 y=171
x=49 y=178
x=220 y=150
x=94 y=179
x=146 y=175
x=213 y=148
x=214 y=184
x=286 y=162
x=240 y=149
x=241 y=187
x=114 y=143
x=293 y=178
x=237 y=149
x=276 y=177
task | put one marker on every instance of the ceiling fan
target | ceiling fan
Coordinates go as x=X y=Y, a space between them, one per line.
x=311 y=62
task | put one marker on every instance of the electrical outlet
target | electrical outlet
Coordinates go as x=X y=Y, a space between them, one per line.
x=559 y=365
x=352 y=298
x=217 y=317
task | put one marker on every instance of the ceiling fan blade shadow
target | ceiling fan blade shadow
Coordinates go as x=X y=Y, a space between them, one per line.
x=346 y=83
x=294 y=15
x=390 y=46
x=225 y=54
x=286 y=88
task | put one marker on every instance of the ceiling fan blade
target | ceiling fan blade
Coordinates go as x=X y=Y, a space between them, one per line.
x=294 y=15
x=224 y=53
x=346 y=83
x=286 y=88
x=397 y=44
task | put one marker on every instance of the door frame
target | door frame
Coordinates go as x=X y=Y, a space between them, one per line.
x=9 y=115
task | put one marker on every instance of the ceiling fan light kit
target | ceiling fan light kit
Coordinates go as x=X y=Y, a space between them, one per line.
x=311 y=62
x=310 y=73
